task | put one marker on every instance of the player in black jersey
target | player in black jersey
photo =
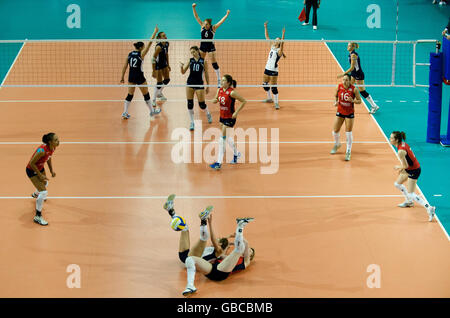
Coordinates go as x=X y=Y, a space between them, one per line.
x=357 y=74
x=208 y=31
x=161 y=67
x=136 y=75
x=197 y=68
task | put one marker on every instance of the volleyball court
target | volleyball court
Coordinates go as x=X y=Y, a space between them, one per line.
x=320 y=221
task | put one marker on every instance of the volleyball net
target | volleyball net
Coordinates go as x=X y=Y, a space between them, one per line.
x=308 y=63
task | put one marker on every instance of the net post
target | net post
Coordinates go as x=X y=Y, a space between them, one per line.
x=434 y=98
x=445 y=139
x=414 y=64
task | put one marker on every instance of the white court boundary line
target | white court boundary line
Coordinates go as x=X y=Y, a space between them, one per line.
x=159 y=197
x=10 y=68
x=387 y=141
x=176 y=142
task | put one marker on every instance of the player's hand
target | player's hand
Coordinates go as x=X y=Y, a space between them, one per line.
x=214 y=101
x=398 y=167
x=265 y=24
x=122 y=81
x=156 y=29
x=207 y=90
x=335 y=103
x=350 y=99
x=53 y=174
x=284 y=30
x=168 y=66
x=228 y=12
x=194 y=5
x=234 y=115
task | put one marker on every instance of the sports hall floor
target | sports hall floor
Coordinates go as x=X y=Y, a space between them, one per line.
x=320 y=221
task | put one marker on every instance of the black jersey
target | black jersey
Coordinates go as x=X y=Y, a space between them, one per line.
x=196 y=71
x=161 y=59
x=136 y=73
x=357 y=70
x=207 y=34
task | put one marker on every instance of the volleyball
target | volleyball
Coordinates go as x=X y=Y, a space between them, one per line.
x=178 y=223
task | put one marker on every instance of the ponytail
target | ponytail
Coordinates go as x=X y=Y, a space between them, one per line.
x=47 y=138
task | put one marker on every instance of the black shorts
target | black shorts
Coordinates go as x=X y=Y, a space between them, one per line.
x=352 y=115
x=161 y=66
x=207 y=47
x=217 y=275
x=31 y=173
x=138 y=80
x=229 y=122
x=413 y=174
x=183 y=256
x=358 y=75
x=270 y=73
x=200 y=85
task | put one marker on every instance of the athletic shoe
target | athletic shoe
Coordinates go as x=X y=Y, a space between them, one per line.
x=208 y=115
x=125 y=115
x=305 y=23
x=277 y=106
x=431 y=211
x=335 y=148
x=204 y=214
x=348 y=154
x=216 y=166
x=189 y=291
x=268 y=100
x=191 y=126
x=155 y=111
x=374 y=109
x=169 y=203
x=315 y=27
x=161 y=97
x=406 y=204
x=40 y=220
x=235 y=158
x=243 y=221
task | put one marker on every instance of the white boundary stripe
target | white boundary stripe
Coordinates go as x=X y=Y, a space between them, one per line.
x=159 y=197
x=392 y=148
x=10 y=68
x=176 y=142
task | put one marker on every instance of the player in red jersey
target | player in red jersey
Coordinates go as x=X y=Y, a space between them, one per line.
x=239 y=259
x=346 y=96
x=226 y=96
x=36 y=172
x=408 y=170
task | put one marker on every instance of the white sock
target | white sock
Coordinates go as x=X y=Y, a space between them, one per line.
x=275 y=98
x=349 y=136
x=125 y=106
x=370 y=100
x=402 y=188
x=149 y=105
x=206 y=110
x=204 y=234
x=190 y=268
x=40 y=200
x=218 y=74
x=239 y=240
x=268 y=94
x=155 y=92
x=415 y=197
x=221 y=150
x=230 y=141
x=336 y=138
x=191 y=115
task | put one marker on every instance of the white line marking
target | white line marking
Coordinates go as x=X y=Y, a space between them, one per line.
x=403 y=101
x=14 y=62
x=416 y=101
x=392 y=147
x=388 y=101
x=437 y=195
x=163 y=197
x=176 y=142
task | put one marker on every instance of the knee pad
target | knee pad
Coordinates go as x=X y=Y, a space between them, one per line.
x=266 y=88
x=215 y=66
x=202 y=105
x=364 y=94
x=166 y=81
x=147 y=96
x=274 y=90
x=159 y=84
x=190 y=103
x=129 y=97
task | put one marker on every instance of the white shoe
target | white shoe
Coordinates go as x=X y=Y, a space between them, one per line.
x=161 y=97
x=277 y=106
x=191 y=126
x=315 y=27
x=189 y=291
x=241 y=222
x=442 y=3
x=305 y=23
x=348 y=155
x=40 y=220
x=431 y=212
x=374 y=109
x=335 y=149
x=125 y=115
x=406 y=204
x=268 y=100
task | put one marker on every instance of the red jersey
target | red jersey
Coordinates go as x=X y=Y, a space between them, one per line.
x=345 y=107
x=410 y=157
x=226 y=103
x=240 y=265
x=40 y=163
